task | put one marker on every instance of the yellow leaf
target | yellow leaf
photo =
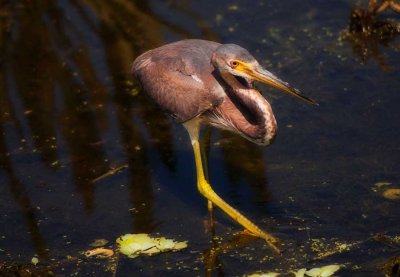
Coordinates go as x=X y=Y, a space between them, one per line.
x=133 y=245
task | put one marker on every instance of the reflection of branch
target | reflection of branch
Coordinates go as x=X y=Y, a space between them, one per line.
x=140 y=188
x=111 y=172
x=21 y=197
x=203 y=24
x=250 y=168
x=67 y=64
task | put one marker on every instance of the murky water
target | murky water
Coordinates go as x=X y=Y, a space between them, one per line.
x=85 y=155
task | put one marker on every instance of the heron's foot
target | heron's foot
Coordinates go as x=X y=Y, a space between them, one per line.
x=206 y=190
x=269 y=239
x=262 y=235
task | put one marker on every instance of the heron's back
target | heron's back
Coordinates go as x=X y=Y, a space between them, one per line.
x=178 y=76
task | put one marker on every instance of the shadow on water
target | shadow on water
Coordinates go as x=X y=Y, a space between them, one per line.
x=85 y=155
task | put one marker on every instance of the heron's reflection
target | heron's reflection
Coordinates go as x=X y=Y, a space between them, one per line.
x=210 y=256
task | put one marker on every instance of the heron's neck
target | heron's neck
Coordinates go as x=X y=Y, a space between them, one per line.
x=232 y=82
x=255 y=107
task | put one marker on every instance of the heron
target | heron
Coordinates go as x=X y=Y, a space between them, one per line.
x=204 y=82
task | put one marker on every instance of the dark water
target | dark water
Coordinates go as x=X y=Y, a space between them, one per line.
x=70 y=113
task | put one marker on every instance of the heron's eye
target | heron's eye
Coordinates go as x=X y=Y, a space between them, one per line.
x=234 y=64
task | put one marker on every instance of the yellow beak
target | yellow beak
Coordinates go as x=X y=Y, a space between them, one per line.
x=266 y=77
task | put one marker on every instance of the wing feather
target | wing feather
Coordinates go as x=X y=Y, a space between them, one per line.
x=178 y=77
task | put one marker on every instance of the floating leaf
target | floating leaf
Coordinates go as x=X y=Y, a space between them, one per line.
x=269 y=274
x=180 y=245
x=382 y=184
x=300 y=272
x=99 y=251
x=324 y=271
x=166 y=243
x=133 y=245
x=392 y=194
x=35 y=260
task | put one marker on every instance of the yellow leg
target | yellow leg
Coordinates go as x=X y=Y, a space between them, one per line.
x=204 y=149
x=193 y=128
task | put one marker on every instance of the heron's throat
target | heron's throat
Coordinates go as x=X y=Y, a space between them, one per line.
x=244 y=82
x=252 y=116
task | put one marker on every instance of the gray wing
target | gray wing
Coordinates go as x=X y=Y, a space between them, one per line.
x=178 y=77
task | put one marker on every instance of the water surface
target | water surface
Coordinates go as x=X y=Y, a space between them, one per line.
x=71 y=113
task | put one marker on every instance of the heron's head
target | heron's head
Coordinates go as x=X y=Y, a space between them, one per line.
x=235 y=60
